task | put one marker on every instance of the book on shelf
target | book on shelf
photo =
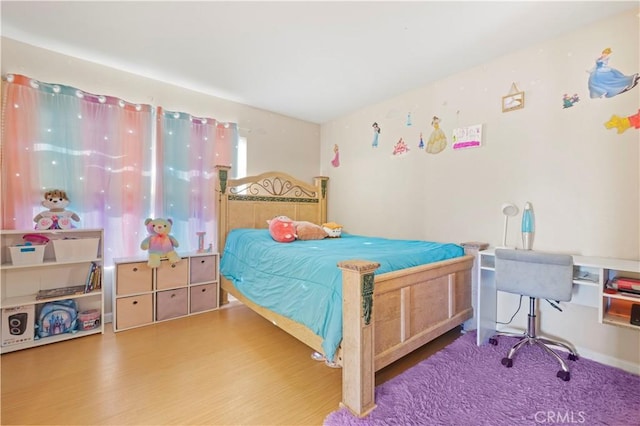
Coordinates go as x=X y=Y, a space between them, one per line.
x=625 y=285
x=60 y=292
x=94 y=278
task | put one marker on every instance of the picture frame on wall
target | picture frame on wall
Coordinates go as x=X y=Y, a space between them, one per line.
x=513 y=101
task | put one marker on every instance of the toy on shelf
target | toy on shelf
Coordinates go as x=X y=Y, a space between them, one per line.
x=56 y=217
x=201 y=235
x=160 y=243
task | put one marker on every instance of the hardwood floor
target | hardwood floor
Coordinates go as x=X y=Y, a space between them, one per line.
x=227 y=367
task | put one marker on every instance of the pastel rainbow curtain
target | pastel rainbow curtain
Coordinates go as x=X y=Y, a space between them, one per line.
x=114 y=160
x=188 y=149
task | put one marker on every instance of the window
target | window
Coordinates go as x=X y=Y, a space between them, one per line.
x=118 y=162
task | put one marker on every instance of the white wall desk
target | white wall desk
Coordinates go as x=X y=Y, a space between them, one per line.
x=591 y=275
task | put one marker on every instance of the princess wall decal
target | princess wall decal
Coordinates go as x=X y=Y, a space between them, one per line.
x=376 y=134
x=336 y=156
x=437 y=140
x=607 y=82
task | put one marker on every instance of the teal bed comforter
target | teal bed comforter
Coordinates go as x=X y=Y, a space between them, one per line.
x=301 y=279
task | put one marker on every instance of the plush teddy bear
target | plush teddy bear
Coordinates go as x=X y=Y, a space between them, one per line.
x=282 y=229
x=57 y=217
x=160 y=243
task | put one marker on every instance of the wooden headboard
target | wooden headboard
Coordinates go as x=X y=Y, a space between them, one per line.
x=249 y=202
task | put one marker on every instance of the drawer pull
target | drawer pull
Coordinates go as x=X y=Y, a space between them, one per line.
x=202 y=261
x=135 y=302
x=203 y=290
x=173 y=295
x=135 y=269
x=173 y=265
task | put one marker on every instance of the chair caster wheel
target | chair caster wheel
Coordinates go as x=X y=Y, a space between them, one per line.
x=573 y=357
x=493 y=341
x=564 y=375
x=508 y=362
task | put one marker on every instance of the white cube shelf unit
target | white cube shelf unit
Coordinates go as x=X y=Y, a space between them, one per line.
x=32 y=276
x=144 y=295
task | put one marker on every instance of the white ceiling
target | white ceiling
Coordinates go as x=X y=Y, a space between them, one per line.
x=310 y=60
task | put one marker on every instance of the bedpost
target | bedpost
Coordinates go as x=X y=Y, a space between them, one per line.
x=321 y=184
x=223 y=177
x=358 y=355
x=473 y=248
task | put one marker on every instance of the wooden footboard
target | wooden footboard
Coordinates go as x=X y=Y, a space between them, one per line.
x=384 y=317
x=387 y=316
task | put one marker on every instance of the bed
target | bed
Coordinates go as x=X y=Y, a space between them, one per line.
x=384 y=315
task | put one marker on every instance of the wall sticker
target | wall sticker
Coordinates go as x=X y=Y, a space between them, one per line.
x=606 y=82
x=336 y=156
x=437 y=140
x=569 y=101
x=376 y=134
x=623 y=123
x=400 y=148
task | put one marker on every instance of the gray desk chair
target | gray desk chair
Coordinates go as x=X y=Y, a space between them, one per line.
x=539 y=276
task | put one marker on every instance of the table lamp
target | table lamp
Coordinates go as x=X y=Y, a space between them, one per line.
x=528 y=226
x=507 y=210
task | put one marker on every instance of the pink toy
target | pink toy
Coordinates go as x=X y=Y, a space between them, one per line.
x=159 y=242
x=282 y=229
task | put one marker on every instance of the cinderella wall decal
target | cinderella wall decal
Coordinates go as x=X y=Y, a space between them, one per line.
x=607 y=82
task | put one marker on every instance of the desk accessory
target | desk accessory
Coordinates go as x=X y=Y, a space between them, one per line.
x=528 y=227
x=507 y=210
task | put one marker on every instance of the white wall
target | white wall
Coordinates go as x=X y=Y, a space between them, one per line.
x=582 y=179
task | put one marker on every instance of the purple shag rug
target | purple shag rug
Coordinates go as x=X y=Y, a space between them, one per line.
x=464 y=384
